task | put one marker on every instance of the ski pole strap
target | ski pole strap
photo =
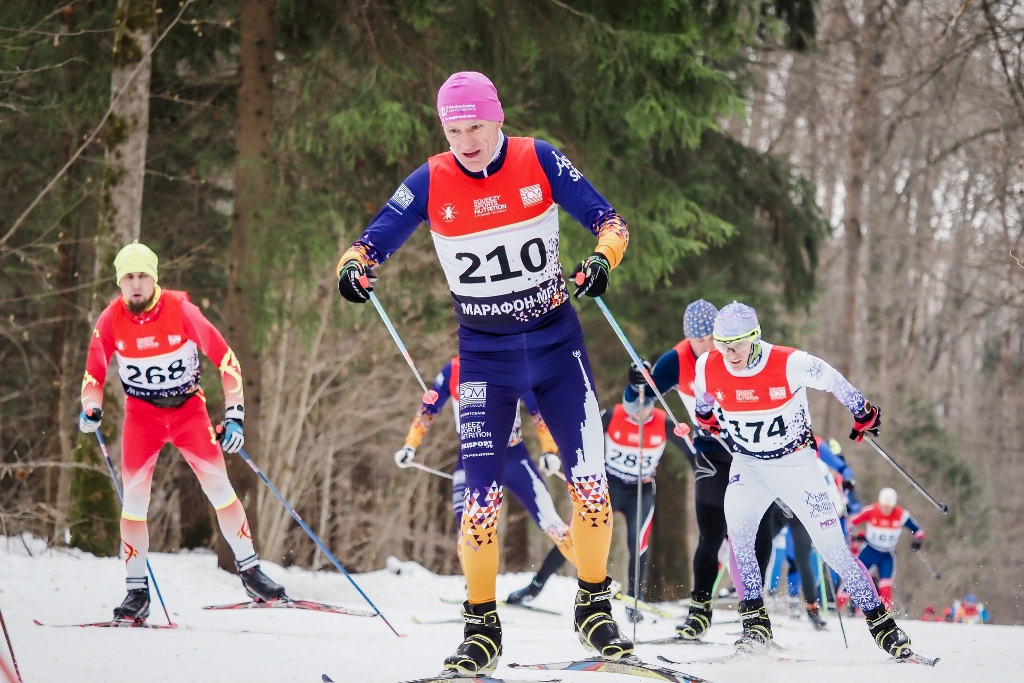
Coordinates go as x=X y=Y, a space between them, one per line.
x=681 y=429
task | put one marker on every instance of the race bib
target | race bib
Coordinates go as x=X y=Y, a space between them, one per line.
x=769 y=434
x=170 y=374
x=883 y=539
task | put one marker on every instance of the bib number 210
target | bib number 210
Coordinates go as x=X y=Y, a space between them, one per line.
x=534 y=260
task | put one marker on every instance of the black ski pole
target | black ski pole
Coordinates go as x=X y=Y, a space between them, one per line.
x=639 y=518
x=942 y=507
x=120 y=496
x=935 y=574
x=10 y=648
x=827 y=571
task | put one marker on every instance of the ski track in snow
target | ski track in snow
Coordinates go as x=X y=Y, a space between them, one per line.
x=271 y=646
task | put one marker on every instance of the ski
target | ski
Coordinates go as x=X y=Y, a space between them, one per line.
x=502 y=603
x=627 y=665
x=116 y=623
x=735 y=656
x=915 y=658
x=431 y=622
x=643 y=606
x=673 y=640
x=295 y=604
x=478 y=679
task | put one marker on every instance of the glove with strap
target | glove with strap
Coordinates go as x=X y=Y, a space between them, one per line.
x=89 y=420
x=232 y=437
x=591 y=276
x=550 y=463
x=866 y=422
x=404 y=456
x=636 y=378
x=708 y=422
x=349 y=285
x=848 y=485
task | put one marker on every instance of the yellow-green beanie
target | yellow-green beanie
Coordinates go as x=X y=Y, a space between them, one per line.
x=135 y=258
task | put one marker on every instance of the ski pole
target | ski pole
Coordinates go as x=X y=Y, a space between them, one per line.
x=10 y=648
x=839 y=610
x=429 y=395
x=942 y=507
x=431 y=470
x=935 y=574
x=823 y=592
x=316 y=539
x=639 y=516
x=120 y=496
x=681 y=430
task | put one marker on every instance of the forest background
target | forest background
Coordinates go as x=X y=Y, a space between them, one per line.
x=852 y=168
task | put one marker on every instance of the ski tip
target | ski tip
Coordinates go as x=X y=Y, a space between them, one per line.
x=326 y=679
x=37 y=622
x=430 y=398
x=681 y=430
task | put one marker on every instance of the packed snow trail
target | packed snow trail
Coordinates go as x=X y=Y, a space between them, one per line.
x=274 y=646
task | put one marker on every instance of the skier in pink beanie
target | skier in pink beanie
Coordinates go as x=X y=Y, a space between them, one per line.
x=492 y=204
x=469 y=95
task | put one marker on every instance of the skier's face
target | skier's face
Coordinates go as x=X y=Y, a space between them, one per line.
x=737 y=354
x=644 y=414
x=886 y=509
x=702 y=345
x=137 y=288
x=473 y=142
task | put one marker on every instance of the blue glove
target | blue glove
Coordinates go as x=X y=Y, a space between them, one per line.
x=232 y=438
x=89 y=421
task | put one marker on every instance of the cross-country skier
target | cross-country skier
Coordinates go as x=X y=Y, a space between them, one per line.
x=754 y=394
x=157 y=335
x=884 y=523
x=522 y=477
x=492 y=206
x=675 y=370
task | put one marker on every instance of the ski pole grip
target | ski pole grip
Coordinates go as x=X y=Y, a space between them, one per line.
x=94 y=414
x=364 y=282
x=580 y=278
x=219 y=431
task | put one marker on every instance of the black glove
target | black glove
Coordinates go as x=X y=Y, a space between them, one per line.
x=915 y=545
x=636 y=378
x=848 y=485
x=867 y=422
x=348 y=281
x=591 y=276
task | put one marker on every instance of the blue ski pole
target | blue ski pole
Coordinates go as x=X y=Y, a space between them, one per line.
x=316 y=539
x=120 y=496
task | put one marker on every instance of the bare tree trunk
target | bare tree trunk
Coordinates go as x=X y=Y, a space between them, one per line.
x=127 y=128
x=252 y=182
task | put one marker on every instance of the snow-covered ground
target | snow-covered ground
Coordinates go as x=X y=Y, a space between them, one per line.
x=62 y=587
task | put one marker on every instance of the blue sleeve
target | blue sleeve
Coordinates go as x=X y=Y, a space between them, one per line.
x=440 y=385
x=398 y=218
x=665 y=375
x=833 y=461
x=530 y=401
x=912 y=524
x=570 y=189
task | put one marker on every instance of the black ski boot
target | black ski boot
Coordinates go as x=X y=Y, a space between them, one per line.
x=258 y=585
x=886 y=633
x=525 y=595
x=478 y=655
x=757 y=628
x=594 y=624
x=136 y=604
x=698 y=621
x=815 y=616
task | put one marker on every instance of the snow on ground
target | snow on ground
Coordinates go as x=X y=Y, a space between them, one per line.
x=271 y=646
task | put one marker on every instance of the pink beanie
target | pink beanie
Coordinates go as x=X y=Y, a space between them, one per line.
x=468 y=95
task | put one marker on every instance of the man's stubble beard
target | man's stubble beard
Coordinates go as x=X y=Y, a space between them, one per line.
x=137 y=308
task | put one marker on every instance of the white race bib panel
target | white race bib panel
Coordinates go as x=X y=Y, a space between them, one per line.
x=881 y=538
x=622 y=445
x=165 y=376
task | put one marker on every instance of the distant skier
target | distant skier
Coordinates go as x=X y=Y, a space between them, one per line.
x=492 y=206
x=522 y=477
x=885 y=522
x=156 y=335
x=754 y=394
